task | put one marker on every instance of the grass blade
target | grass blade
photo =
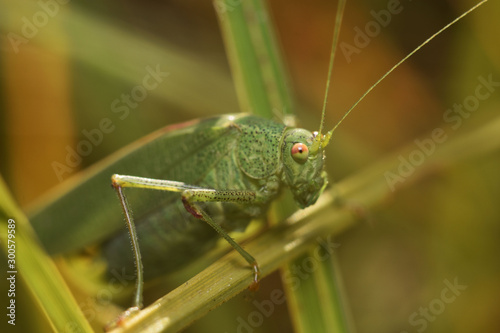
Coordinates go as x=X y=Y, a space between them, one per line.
x=256 y=62
x=39 y=272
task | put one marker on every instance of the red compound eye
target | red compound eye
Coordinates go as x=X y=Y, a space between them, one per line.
x=300 y=152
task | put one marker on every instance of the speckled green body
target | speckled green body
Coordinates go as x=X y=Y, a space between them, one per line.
x=239 y=152
x=233 y=154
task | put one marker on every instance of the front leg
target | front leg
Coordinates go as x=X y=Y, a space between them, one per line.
x=191 y=199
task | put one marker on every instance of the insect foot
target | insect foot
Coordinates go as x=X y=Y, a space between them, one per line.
x=122 y=318
x=254 y=286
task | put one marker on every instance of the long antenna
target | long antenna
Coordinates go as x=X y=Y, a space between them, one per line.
x=336 y=33
x=397 y=65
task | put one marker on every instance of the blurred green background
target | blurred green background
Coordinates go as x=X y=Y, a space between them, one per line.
x=62 y=71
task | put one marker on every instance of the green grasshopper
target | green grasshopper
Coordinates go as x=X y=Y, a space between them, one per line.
x=251 y=160
x=212 y=177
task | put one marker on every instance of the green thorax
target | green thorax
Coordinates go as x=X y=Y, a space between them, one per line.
x=268 y=151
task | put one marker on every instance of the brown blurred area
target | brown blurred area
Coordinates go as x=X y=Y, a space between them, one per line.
x=62 y=81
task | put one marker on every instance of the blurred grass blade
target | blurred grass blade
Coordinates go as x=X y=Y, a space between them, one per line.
x=38 y=270
x=255 y=59
x=317 y=303
x=303 y=303
x=104 y=59
x=332 y=296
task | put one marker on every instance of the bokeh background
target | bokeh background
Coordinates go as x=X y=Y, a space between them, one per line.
x=62 y=75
